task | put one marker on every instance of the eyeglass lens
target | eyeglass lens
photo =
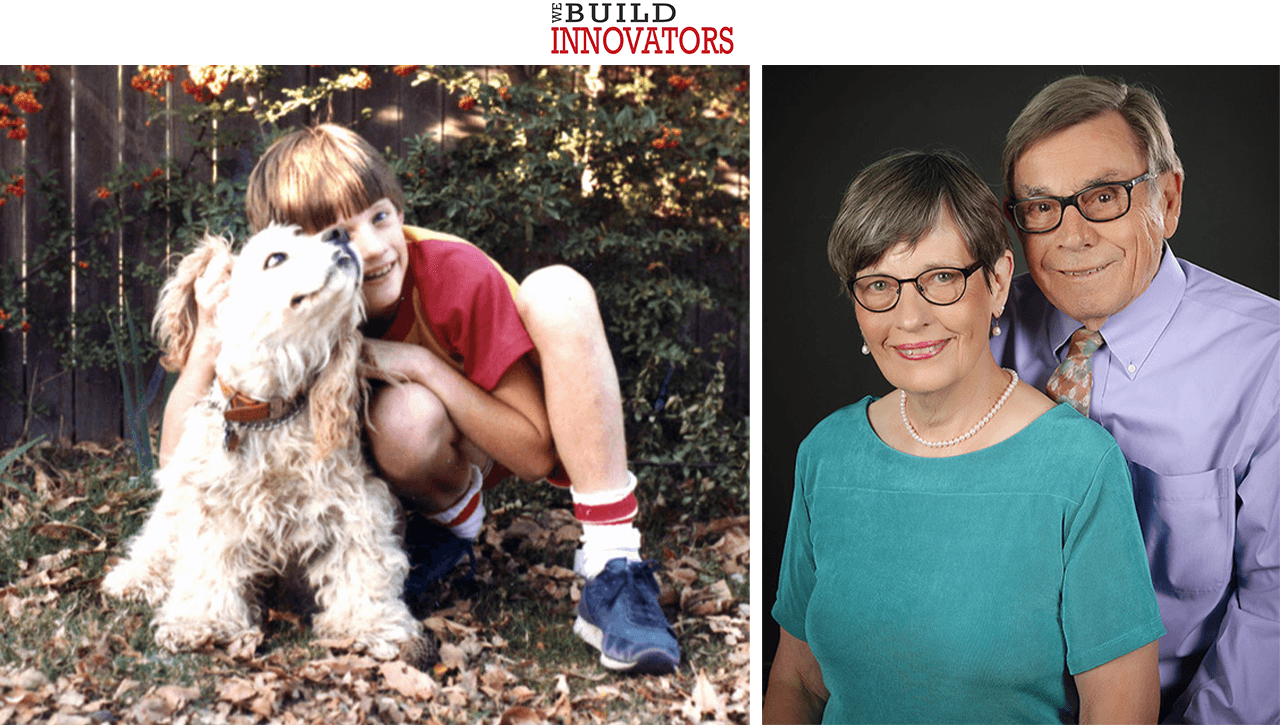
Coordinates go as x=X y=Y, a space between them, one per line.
x=1097 y=204
x=940 y=286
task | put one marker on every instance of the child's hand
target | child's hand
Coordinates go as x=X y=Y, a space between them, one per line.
x=387 y=360
x=211 y=290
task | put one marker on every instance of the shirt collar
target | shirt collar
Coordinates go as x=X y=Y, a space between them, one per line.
x=1131 y=333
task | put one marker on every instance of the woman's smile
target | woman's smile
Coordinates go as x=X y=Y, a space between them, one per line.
x=920 y=350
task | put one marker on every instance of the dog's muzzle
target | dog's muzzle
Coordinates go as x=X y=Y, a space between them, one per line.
x=344 y=256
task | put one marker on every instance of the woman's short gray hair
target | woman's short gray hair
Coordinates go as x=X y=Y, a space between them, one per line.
x=901 y=198
x=1076 y=99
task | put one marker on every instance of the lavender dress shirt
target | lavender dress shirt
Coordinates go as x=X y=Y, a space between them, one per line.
x=1188 y=382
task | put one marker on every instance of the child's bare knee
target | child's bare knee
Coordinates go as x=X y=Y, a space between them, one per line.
x=408 y=429
x=556 y=294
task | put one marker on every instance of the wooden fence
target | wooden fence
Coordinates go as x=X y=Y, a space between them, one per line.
x=92 y=123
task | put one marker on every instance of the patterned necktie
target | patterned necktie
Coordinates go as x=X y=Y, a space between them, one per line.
x=1072 y=382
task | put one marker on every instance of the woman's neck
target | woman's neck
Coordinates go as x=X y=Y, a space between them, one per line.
x=950 y=412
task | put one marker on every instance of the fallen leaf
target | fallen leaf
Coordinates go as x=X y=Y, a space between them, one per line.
x=714 y=599
x=31 y=679
x=562 y=685
x=704 y=700
x=177 y=697
x=521 y=694
x=520 y=715
x=124 y=686
x=66 y=503
x=682 y=576
x=66 y=718
x=408 y=681
x=236 y=690
x=246 y=645
x=452 y=656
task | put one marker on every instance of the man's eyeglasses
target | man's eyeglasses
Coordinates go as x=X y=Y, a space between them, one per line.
x=1098 y=203
x=941 y=286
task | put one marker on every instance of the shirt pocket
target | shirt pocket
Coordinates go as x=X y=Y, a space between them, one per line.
x=1188 y=524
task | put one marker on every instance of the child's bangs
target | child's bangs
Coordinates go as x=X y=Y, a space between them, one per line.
x=320 y=197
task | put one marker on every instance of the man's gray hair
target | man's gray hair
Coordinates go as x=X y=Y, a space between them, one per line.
x=1076 y=99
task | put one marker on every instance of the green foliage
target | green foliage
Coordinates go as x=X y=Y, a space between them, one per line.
x=7 y=460
x=628 y=178
x=636 y=177
x=137 y=393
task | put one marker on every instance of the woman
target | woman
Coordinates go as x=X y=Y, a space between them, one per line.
x=961 y=549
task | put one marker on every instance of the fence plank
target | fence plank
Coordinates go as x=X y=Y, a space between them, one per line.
x=384 y=128
x=97 y=148
x=188 y=151
x=48 y=389
x=424 y=110
x=144 y=242
x=12 y=389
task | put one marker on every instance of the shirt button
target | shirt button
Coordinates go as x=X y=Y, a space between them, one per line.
x=1133 y=369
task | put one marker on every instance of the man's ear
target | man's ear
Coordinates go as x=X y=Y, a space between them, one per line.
x=1001 y=281
x=1170 y=186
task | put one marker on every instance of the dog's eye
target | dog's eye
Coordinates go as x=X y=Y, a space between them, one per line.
x=275 y=259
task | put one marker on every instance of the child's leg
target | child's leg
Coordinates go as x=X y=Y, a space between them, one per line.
x=618 y=612
x=419 y=453
x=584 y=406
x=584 y=403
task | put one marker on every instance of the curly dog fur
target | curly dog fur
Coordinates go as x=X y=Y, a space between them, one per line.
x=242 y=503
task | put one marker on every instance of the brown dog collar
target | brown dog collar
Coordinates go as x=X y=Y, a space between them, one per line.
x=244 y=411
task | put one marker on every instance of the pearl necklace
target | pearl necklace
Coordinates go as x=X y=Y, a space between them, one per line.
x=902 y=408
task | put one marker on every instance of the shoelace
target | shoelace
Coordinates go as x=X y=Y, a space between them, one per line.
x=643 y=610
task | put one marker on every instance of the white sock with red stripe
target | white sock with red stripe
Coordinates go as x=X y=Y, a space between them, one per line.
x=607 y=529
x=466 y=516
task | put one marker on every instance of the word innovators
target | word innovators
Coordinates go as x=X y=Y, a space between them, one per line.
x=584 y=40
x=600 y=12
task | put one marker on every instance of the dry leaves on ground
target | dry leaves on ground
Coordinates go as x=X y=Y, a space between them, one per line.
x=506 y=654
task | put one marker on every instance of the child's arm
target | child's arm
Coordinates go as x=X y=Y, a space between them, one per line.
x=198 y=372
x=509 y=424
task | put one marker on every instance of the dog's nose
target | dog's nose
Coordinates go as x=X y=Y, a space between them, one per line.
x=345 y=256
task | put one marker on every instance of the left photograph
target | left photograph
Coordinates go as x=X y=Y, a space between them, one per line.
x=375 y=393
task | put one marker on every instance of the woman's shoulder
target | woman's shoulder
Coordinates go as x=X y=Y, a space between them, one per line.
x=1035 y=419
x=850 y=420
x=1066 y=451
x=1061 y=422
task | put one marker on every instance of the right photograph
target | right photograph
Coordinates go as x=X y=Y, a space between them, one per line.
x=1021 y=394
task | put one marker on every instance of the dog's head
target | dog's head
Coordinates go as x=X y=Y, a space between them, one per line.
x=292 y=298
x=288 y=325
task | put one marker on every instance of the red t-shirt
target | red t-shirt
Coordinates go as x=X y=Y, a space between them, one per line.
x=460 y=304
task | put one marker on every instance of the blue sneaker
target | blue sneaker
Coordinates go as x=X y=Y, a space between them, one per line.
x=619 y=615
x=433 y=552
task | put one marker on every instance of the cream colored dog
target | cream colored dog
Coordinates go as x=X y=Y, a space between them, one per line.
x=268 y=476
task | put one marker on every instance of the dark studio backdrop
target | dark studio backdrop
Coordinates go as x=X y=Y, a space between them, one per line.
x=821 y=126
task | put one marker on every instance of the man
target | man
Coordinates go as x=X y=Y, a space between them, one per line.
x=1183 y=373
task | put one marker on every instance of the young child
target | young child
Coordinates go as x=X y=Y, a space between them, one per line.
x=499 y=377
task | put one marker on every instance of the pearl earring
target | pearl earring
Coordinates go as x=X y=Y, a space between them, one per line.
x=995 y=329
x=865 y=350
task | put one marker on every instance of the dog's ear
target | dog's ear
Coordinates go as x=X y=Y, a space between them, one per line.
x=337 y=398
x=174 y=325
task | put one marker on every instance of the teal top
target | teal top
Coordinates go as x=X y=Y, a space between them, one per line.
x=967 y=588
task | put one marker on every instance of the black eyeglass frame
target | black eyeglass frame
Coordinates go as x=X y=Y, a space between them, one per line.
x=1066 y=201
x=965 y=272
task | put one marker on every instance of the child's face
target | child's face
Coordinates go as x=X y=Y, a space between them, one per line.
x=377 y=235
